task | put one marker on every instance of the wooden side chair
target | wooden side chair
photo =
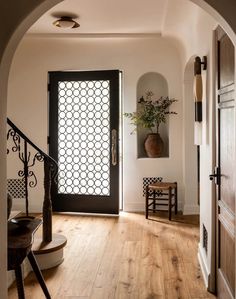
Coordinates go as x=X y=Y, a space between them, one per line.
x=161 y=194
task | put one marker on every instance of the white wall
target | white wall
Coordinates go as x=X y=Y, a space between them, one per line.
x=197 y=38
x=27 y=105
x=189 y=148
x=204 y=40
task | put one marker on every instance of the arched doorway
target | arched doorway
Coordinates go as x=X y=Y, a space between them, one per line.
x=18 y=21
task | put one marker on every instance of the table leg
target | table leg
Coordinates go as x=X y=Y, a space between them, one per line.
x=38 y=274
x=19 y=283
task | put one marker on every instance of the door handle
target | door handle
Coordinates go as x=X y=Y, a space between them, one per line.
x=114 y=147
x=216 y=175
x=212 y=176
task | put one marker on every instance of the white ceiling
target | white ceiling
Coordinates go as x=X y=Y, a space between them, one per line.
x=106 y=17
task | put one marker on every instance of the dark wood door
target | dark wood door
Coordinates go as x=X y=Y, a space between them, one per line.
x=84 y=134
x=226 y=169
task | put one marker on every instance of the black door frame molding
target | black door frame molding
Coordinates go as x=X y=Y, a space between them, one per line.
x=81 y=203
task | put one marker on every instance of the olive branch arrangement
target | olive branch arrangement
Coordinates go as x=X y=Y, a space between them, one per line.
x=151 y=113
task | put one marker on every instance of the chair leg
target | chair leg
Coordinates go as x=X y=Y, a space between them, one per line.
x=154 y=201
x=19 y=283
x=170 y=203
x=38 y=274
x=176 y=200
x=146 y=214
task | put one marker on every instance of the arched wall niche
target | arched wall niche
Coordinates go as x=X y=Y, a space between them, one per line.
x=157 y=83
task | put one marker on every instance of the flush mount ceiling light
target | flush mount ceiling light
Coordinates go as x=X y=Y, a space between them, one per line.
x=66 y=23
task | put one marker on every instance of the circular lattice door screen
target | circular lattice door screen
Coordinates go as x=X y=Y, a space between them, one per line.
x=84 y=137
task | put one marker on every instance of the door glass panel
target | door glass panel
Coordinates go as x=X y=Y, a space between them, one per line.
x=84 y=137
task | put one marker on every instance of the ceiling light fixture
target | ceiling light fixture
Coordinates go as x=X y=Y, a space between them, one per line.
x=66 y=23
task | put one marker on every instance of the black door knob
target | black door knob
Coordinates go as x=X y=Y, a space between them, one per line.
x=212 y=176
x=216 y=176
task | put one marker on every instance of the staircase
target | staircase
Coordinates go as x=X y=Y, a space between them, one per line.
x=48 y=247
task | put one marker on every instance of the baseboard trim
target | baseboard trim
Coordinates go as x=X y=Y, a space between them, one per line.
x=140 y=206
x=191 y=209
x=134 y=207
x=202 y=261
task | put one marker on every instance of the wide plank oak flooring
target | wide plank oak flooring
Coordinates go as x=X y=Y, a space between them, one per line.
x=125 y=257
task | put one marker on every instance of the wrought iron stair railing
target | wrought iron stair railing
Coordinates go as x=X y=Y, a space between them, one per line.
x=29 y=154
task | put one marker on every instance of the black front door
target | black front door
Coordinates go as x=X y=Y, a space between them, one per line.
x=84 y=134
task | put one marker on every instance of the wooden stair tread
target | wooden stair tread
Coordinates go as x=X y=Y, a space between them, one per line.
x=40 y=247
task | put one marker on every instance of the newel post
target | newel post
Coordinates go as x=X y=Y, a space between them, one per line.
x=47 y=204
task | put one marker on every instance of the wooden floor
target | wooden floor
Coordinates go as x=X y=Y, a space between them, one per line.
x=126 y=257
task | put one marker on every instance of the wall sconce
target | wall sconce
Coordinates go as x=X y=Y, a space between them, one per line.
x=198 y=94
x=198 y=86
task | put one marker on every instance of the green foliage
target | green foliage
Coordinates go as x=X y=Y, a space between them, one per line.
x=150 y=114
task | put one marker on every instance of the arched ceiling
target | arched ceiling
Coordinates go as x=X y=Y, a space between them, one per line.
x=106 y=17
x=119 y=17
x=176 y=20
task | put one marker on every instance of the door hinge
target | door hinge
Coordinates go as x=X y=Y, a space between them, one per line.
x=48 y=140
x=49 y=87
